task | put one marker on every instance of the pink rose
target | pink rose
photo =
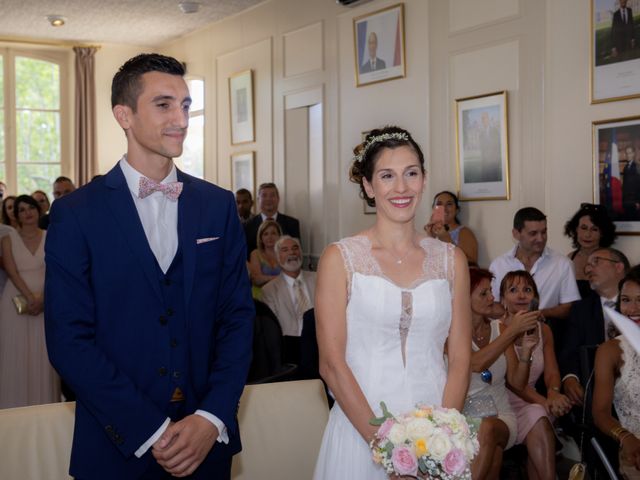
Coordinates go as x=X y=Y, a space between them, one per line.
x=455 y=462
x=404 y=461
x=384 y=429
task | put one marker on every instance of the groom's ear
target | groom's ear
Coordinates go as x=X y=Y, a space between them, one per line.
x=122 y=114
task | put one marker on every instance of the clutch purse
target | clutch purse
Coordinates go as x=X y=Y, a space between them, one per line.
x=21 y=304
x=480 y=406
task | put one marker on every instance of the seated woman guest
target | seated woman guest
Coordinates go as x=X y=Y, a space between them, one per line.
x=26 y=376
x=590 y=228
x=8 y=217
x=617 y=382
x=534 y=412
x=452 y=231
x=263 y=262
x=493 y=361
x=43 y=200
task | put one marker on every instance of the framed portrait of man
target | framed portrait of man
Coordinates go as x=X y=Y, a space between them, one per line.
x=482 y=147
x=616 y=172
x=615 y=50
x=379 y=45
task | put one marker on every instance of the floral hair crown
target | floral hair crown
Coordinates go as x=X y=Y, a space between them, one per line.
x=380 y=138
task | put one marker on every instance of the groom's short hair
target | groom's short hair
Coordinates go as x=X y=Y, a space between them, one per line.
x=126 y=86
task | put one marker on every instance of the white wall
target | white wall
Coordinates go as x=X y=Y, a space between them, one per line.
x=453 y=49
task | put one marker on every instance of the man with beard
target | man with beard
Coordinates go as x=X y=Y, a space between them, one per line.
x=552 y=271
x=291 y=293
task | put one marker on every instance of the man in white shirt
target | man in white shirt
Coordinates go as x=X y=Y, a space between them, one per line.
x=292 y=292
x=586 y=324
x=552 y=272
x=148 y=309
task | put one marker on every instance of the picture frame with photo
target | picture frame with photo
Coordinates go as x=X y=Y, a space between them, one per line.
x=615 y=50
x=482 y=147
x=243 y=172
x=379 y=45
x=616 y=171
x=241 y=107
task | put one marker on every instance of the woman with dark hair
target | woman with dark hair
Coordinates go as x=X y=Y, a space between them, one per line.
x=617 y=383
x=451 y=231
x=534 y=412
x=493 y=365
x=8 y=217
x=388 y=300
x=590 y=228
x=26 y=376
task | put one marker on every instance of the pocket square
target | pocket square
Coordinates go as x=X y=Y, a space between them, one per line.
x=205 y=240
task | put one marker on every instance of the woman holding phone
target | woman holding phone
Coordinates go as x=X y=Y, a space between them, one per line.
x=445 y=226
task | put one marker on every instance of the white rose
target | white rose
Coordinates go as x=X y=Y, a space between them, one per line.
x=439 y=445
x=397 y=434
x=419 y=428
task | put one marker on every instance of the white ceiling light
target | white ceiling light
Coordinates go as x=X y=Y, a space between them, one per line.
x=189 y=7
x=55 y=20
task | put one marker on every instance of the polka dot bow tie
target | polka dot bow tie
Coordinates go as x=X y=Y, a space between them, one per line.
x=147 y=186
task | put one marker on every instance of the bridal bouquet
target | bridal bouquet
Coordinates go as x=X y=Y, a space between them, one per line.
x=428 y=442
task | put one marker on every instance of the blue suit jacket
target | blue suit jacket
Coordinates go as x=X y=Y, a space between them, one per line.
x=103 y=303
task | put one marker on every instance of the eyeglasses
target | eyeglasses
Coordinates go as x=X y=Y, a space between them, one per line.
x=592 y=206
x=593 y=262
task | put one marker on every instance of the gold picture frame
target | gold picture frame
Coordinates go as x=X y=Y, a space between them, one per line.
x=241 y=102
x=616 y=171
x=379 y=45
x=482 y=147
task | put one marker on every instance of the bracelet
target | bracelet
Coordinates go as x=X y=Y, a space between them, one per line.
x=555 y=389
x=526 y=360
x=617 y=432
x=623 y=436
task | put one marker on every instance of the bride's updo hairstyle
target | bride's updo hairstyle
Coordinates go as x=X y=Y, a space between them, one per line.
x=367 y=153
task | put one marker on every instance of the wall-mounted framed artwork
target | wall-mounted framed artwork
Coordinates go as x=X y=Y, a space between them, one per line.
x=482 y=147
x=616 y=171
x=615 y=50
x=241 y=107
x=243 y=172
x=379 y=45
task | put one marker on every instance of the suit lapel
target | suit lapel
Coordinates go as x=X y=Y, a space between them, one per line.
x=188 y=215
x=121 y=204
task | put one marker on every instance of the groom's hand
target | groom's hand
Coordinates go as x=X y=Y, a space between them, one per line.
x=184 y=445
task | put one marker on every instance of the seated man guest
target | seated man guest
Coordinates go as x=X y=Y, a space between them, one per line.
x=268 y=201
x=292 y=292
x=552 y=271
x=586 y=324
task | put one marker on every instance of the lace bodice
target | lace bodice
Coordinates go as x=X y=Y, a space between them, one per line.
x=396 y=335
x=626 y=392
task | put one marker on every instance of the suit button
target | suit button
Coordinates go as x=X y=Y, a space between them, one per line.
x=176 y=374
x=162 y=371
x=169 y=311
x=163 y=320
x=174 y=343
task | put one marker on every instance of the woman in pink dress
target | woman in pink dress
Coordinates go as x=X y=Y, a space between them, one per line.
x=534 y=412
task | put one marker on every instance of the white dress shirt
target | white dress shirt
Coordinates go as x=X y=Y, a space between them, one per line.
x=292 y=293
x=159 y=217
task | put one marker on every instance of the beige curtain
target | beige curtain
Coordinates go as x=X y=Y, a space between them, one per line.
x=85 y=115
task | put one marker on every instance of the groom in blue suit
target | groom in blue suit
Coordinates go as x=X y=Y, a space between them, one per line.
x=148 y=306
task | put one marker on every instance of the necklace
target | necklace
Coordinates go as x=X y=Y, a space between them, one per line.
x=399 y=260
x=479 y=338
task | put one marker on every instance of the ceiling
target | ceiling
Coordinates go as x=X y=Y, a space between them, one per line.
x=133 y=22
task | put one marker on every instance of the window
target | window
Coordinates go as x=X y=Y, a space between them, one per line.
x=31 y=120
x=192 y=159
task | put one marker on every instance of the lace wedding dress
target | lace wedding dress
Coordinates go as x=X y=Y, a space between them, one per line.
x=395 y=343
x=626 y=398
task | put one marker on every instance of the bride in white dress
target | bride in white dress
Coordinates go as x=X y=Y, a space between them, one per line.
x=388 y=303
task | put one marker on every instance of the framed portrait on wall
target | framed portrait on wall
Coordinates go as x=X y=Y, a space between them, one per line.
x=616 y=171
x=241 y=107
x=243 y=172
x=615 y=50
x=482 y=147
x=379 y=45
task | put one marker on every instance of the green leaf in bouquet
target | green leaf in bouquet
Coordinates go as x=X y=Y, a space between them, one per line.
x=377 y=421
x=422 y=465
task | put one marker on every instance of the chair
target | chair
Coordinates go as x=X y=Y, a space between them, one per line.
x=36 y=441
x=267 y=364
x=281 y=425
x=309 y=355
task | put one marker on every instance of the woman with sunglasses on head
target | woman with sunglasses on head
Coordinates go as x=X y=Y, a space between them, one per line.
x=535 y=412
x=590 y=228
x=494 y=364
x=617 y=382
